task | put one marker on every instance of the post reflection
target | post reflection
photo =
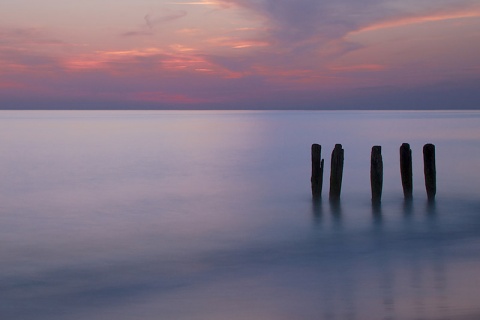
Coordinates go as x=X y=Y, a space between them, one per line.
x=377 y=213
x=317 y=210
x=431 y=207
x=383 y=261
x=404 y=266
x=336 y=210
x=407 y=207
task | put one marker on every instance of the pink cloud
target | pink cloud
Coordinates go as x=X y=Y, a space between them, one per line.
x=235 y=43
x=170 y=63
x=411 y=20
x=360 y=67
x=284 y=46
x=11 y=85
x=162 y=97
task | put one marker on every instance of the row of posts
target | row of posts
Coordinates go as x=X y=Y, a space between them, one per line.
x=376 y=172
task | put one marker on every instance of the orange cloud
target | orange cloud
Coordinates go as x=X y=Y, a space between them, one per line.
x=100 y=59
x=104 y=59
x=237 y=44
x=202 y=3
x=249 y=44
x=400 y=22
x=177 y=59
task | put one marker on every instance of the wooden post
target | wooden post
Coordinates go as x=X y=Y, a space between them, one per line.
x=317 y=171
x=336 y=172
x=406 y=170
x=430 y=170
x=376 y=174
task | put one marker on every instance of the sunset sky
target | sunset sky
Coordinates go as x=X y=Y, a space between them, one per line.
x=240 y=54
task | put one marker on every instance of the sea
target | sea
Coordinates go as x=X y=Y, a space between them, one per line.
x=208 y=215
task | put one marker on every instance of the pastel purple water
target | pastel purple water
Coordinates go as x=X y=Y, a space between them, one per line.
x=208 y=215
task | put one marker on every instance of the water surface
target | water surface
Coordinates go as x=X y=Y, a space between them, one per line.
x=208 y=215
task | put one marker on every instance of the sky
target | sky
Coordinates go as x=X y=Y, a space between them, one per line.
x=239 y=54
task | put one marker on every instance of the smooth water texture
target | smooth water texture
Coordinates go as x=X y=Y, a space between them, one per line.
x=208 y=215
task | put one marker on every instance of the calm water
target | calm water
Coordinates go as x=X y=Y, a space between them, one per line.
x=208 y=215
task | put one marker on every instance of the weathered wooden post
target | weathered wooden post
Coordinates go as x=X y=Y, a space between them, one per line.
x=317 y=171
x=430 y=170
x=376 y=174
x=406 y=170
x=336 y=173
